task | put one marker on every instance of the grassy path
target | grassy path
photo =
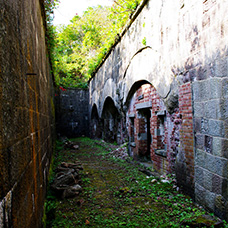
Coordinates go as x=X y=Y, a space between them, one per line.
x=116 y=194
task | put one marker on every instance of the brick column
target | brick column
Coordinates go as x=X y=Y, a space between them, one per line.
x=185 y=158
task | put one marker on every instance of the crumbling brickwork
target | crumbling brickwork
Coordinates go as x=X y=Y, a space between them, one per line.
x=26 y=113
x=185 y=158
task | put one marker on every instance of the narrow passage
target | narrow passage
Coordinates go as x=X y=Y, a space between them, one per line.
x=115 y=193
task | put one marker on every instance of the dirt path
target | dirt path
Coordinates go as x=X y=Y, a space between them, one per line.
x=116 y=194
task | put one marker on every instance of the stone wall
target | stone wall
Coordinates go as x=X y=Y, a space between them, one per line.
x=72 y=112
x=26 y=113
x=185 y=61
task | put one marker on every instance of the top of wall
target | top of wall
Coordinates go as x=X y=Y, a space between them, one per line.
x=119 y=36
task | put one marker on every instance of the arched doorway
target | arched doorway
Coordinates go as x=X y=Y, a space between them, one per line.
x=139 y=120
x=110 y=118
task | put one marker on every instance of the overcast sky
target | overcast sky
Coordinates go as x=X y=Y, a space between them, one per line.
x=68 y=8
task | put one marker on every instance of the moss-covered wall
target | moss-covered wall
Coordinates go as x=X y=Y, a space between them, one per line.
x=26 y=113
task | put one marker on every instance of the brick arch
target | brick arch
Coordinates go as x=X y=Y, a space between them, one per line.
x=133 y=89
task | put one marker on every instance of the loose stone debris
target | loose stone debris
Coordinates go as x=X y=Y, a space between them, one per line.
x=120 y=153
x=67 y=180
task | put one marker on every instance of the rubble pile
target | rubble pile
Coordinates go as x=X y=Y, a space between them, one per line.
x=67 y=180
x=120 y=153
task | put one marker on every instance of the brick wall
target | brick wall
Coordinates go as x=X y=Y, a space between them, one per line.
x=26 y=113
x=164 y=129
x=185 y=159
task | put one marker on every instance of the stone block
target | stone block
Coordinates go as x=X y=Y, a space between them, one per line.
x=215 y=88
x=200 y=158
x=201 y=90
x=210 y=162
x=199 y=175
x=199 y=139
x=217 y=146
x=213 y=109
x=200 y=194
x=216 y=165
x=216 y=128
x=217 y=184
x=224 y=109
x=224 y=164
x=199 y=109
x=207 y=180
x=144 y=105
x=225 y=87
x=210 y=200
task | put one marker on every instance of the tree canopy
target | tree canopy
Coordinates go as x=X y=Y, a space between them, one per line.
x=81 y=46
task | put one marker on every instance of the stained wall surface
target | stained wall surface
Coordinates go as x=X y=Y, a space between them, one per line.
x=180 y=48
x=26 y=113
x=72 y=118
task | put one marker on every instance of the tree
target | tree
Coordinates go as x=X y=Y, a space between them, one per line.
x=82 y=45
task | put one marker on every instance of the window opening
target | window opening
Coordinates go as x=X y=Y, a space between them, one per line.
x=160 y=133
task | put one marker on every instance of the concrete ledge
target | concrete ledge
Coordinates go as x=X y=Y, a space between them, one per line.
x=144 y=105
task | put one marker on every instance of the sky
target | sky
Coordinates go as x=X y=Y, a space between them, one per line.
x=67 y=9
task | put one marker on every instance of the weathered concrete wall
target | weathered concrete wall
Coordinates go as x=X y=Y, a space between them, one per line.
x=72 y=118
x=26 y=113
x=185 y=60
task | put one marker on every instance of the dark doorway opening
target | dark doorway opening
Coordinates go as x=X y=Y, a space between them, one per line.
x=144 y=135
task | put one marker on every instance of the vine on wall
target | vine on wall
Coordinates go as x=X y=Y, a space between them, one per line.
x=50 y=5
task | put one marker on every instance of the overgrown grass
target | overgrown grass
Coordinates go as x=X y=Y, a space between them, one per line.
x=116 y=194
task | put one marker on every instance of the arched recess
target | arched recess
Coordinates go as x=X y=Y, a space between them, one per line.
x=108 y=91
x=95 y=123
x=110 y=119
x=138 y=117
x=145 y=65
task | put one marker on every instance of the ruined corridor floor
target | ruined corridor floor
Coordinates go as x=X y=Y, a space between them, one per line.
x=116 y=194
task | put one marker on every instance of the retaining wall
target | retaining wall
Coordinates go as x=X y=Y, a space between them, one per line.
x=26 y=113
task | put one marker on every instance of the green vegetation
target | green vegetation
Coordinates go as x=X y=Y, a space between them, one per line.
x=79 y=48
x=144 y=41
x=116 y=194
x=50 y=5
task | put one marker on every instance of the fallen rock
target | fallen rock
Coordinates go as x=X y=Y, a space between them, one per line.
x=72 y=165
x=67 y=179
x=71 y=145
x=72 y=191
